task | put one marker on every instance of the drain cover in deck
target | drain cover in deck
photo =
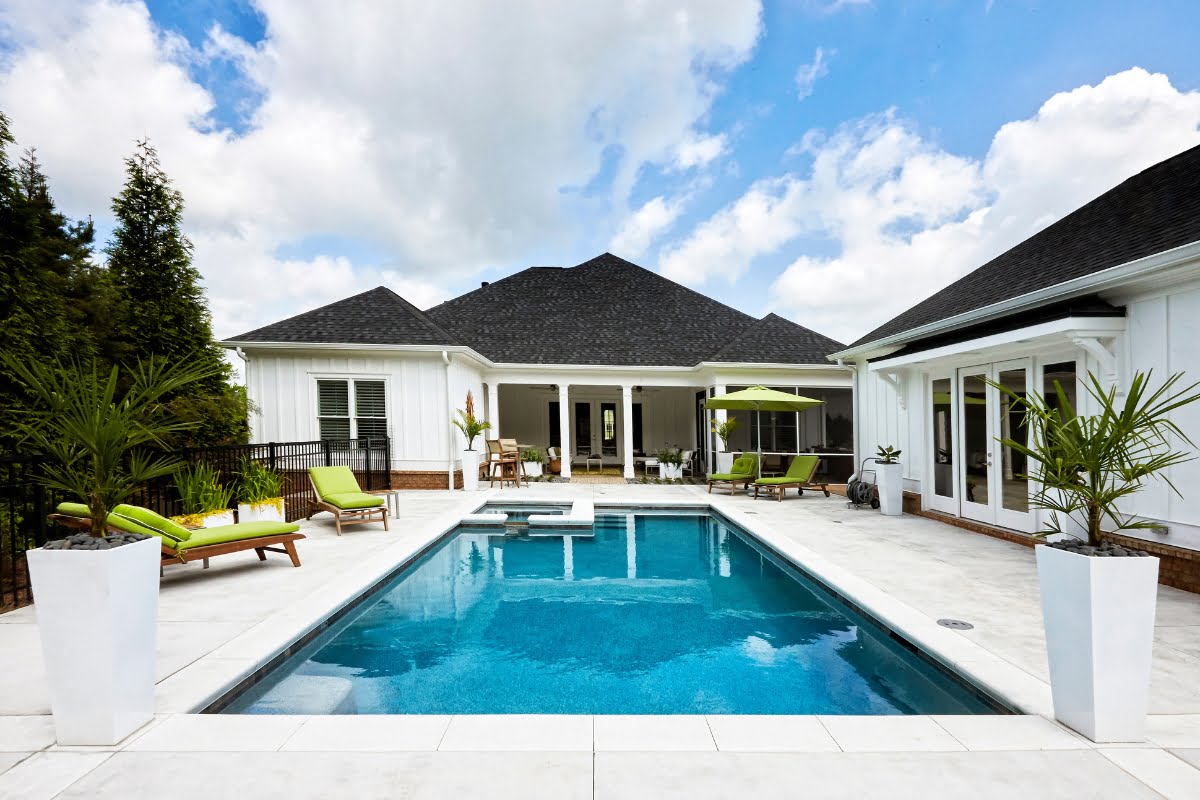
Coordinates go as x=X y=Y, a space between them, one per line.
x=955 y=624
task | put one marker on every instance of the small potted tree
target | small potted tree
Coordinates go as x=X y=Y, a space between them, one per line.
x=470 y=427
x=260 y=493
x=670 y=464
x=531 y=462
x=97 y=594
x=890 y=473
x=724 y=430
x=206 y=503
x=1098 y=598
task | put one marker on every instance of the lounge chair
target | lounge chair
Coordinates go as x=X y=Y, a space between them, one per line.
x=337 y=492
x=181 y=545
x=743 y=471
x=799 y=475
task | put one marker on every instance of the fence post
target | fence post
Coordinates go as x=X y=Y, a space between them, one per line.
x=271 y=454
x=325 y=449
x=367 y=466
x=387 y=462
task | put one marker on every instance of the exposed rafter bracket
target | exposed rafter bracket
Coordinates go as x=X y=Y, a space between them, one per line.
x=896 y=379
x=1102 y=352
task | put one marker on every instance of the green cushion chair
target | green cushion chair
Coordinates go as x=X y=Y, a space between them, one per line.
x=179 y=544
x=799 y=475
x=743 y=471
x=337 y=492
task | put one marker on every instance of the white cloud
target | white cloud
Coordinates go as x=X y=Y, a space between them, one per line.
x=643 y=226
x=908 y=218
x=807 y=75
x=447 y=138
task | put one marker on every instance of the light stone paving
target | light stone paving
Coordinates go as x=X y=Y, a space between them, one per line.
x=217 y=626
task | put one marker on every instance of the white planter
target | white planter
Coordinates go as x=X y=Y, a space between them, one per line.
x=1099 y=618
x=215 y=519
x=470 y=470
x=266 y=511
x=533 y=469
x=97 y=613
x=724 y=462
x=670 y=472
x=890 y=478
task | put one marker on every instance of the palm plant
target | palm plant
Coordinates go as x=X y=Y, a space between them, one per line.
x=469 y=424
x=1086 y=465
x=724 y=430
x=101 y=441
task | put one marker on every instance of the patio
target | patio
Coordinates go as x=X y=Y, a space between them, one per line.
x=217 y=625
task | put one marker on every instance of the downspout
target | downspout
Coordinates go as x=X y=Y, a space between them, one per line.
x=854 y=400
x=246 y=383
x=449 y=429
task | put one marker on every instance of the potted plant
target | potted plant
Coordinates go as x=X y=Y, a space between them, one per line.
x=890 y=474
x=531 y=462
x=470 y=427
x=1098 y=598
x=96 y=594
x=206 y=503
x=260 y=495
x=670 y=464
x=724 y=430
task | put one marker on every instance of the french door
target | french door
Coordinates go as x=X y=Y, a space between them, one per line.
x=990 y=485
x=596 y=429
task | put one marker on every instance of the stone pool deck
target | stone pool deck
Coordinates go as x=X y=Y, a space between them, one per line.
x=216 y=626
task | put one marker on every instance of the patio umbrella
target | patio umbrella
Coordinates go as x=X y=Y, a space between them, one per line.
x=758 y=399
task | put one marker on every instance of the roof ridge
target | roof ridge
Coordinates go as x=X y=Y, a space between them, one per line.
x=418 y=313
x=771 y=316
x=751 y=319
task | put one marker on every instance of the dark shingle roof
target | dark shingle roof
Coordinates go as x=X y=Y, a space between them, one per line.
x=609 y=311
x=1156 y=210
x=775 y=340
x=377 y=316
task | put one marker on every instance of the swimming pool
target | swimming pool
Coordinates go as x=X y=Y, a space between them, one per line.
x=649 y=613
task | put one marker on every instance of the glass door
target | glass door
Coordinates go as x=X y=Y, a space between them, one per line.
x=583 y=429
x=974 y=408
x=608 y=430
x=1012 y=488
x=942 y=447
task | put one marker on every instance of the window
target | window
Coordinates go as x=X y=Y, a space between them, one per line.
x=336 y=399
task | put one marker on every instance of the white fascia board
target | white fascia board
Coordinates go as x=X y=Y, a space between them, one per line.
x=1059 y=330
x=1104 y=280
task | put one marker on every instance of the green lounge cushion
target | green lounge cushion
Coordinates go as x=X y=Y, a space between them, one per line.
x=333 y=480
x=147 y=518
x=349 y=501
x=799 y=471
x=119 y=521
x=236 y=533
x=730 y=476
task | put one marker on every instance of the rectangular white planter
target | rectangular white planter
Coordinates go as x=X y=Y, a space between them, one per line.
x=891 y=488
x=1099 y=618
x=670 y=472
x=215 y=519
x=267 y=511
x=532 y=468
x=97 y=614
x=724 y=462
x=470 y=470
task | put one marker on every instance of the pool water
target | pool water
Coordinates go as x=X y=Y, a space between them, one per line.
x=650 y=614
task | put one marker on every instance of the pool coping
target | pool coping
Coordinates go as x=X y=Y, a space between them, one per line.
x=214 y=680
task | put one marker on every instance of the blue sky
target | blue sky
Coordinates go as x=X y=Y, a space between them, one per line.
x=325 y=153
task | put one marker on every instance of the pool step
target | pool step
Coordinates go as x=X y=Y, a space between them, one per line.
x=484 y=519
x=583 y=512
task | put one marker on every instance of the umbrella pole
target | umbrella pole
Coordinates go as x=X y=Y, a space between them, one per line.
x=758 y=413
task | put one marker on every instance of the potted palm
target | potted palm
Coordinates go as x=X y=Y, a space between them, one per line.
x=97 y=594
x=670 y=464
x=470 y=427
x=206 y=503
x=890 y=475
x=1098 y=599
x=531 y=462
x=260 y=495
x=724 y=429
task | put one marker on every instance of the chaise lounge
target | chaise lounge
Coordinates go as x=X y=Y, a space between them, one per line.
x=799 y=476
x=743 y=471
x=337 y=492
x=181 y=545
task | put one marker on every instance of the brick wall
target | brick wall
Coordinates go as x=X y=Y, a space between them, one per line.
x=428 y=479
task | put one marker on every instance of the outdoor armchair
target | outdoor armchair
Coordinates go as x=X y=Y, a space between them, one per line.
x=337 y=492
x=743 y=471
x=799 y=476
x=181 y=545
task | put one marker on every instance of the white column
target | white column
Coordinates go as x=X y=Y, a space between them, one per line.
x=718 y=417
x=493 y=390
x=627 y=426
x=564 y=428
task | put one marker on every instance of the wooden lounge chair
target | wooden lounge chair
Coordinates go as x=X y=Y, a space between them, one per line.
x=181 y=545
x=743 y=471
x=799 y=476
x=337 y=492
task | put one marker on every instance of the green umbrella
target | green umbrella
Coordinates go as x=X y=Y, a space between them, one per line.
x=760 y=398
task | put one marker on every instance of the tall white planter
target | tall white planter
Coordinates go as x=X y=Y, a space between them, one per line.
x=533 y=469
x=470 y=470
x=890 y=478
x=671 y=472
x=266 y=511
x=97 y=613
x=724 y=462
x=1099 y=618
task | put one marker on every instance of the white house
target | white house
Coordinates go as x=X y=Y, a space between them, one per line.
x=1113 y=288
x=604 y=359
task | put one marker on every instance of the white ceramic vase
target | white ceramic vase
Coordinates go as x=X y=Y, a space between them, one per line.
x=1099 y=618
x=267 y=511
x=470 y=470
x=671 y=472
x=97 y=614
x=215 y=519
x=724 y=462
x=890 y=478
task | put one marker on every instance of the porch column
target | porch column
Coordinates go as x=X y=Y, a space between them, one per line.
x=564 y=429
x=627 y=426
x=493 y=409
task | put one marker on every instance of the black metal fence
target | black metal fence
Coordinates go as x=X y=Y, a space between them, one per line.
x=25 y=503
